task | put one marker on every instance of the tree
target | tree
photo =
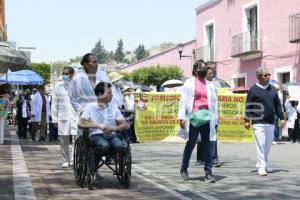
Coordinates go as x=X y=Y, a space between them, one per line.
x=42 y=69
x=77 y=59
x=100 y=52
x=140 y=52
x=57 y=67
x=155 y=75
x=119 y=53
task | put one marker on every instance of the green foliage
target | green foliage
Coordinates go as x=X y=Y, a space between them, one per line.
x=119 y=53
x=43 y=69
x=156 y=75
x=127 y=76
x=110 y=56
x=100 y=52
x=57 y=67
x=76 y=59
x=140 y=52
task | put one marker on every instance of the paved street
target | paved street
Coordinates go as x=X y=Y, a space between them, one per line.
x=155 y=174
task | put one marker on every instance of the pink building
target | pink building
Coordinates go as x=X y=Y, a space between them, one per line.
x=240 y=36
x=168 y=57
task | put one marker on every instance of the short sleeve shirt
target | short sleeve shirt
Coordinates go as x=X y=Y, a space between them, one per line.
x=106 y=116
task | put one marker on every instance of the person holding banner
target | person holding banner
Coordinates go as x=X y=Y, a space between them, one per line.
x=198 y=113
x=261 y=106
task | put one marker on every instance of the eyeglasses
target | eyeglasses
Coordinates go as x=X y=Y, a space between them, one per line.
x=266 y=75
x=65 y=74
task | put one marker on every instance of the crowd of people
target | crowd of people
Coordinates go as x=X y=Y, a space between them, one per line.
x=265 y=111
x=54 y=116
x=96 y=100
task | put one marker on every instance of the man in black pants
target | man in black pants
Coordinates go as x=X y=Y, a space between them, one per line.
x=23 y=108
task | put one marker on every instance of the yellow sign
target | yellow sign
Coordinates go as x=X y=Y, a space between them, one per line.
x=231 y=118
x=156 y=115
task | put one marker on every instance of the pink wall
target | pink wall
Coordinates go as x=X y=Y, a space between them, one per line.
x=169 y=57
x=273 y=19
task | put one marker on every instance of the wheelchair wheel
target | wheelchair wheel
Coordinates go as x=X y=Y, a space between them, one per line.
x=125 y=168
x=80 y=168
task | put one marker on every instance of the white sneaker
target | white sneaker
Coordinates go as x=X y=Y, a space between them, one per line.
x=262 y=172
x=65 y=165
x=71 y=163
x=274 y=142
x=269 y=170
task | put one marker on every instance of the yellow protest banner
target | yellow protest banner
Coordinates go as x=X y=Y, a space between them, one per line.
x=156 y=115
x=231 y=118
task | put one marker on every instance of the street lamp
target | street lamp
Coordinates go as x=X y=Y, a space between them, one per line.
x=180 y=50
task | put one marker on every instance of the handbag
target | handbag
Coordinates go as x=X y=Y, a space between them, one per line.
x=200 y=118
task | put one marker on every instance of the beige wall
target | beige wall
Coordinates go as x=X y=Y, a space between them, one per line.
x=3 y=33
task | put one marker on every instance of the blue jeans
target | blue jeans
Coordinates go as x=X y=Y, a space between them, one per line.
x=190 y=144
x=277 y=130
x=103 y=144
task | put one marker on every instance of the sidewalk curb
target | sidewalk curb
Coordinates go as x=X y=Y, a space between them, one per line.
x=23 y=189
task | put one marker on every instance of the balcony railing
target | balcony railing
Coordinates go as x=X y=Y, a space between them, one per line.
x=295 y=28
x=247 y=44
x=206 y=53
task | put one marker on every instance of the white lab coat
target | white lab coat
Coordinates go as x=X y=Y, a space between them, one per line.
x=62 y=110
x=291 y=114
x=36 y=108
x=81 y=90
x=187 y=102
x=118 y=97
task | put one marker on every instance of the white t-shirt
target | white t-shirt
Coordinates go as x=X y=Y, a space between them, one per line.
x=24 y=109
x=106 y=116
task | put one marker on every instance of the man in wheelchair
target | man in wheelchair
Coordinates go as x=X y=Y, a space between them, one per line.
x=103 y=119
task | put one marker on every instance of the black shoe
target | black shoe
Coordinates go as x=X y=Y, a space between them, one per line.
x=210 y=178
x=184 y=175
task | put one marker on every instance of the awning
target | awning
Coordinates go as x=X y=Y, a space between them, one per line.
x=12 y=59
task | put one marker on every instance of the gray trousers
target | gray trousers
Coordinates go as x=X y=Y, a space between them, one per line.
x=66 y=154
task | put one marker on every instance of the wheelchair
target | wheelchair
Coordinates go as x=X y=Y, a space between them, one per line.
x=84 y=161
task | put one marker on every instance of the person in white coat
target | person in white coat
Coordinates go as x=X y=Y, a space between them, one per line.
x=197 y=95
x=118 y=97
x=40 y=112
x=212 y=77
x=83 y=84
x=293 y=111
x=61 y=110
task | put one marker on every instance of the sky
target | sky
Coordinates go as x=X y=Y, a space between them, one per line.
x=64 y=29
